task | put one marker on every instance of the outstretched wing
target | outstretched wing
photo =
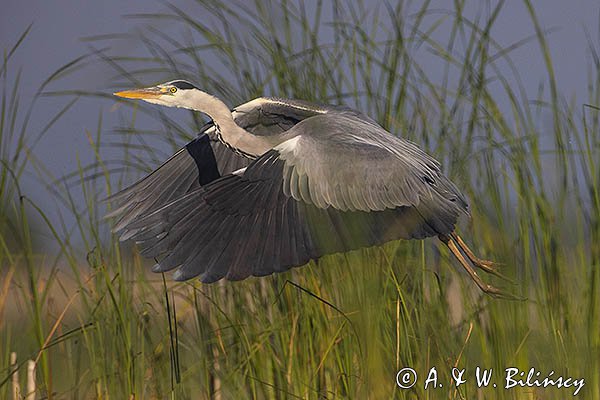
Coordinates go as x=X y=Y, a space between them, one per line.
x=205 y=158
x=300 y=201
x=201 y=161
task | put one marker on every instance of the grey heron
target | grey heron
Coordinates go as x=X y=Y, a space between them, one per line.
x=275 y=183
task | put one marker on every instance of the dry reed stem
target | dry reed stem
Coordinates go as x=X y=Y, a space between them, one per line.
x=16 y=389
x=30 y=380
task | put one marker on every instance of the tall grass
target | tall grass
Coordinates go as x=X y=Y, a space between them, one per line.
x=342 y=327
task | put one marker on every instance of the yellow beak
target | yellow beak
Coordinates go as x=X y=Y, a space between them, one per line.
x=146 y=93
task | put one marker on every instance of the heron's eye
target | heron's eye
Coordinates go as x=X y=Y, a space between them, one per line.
x=173 y=89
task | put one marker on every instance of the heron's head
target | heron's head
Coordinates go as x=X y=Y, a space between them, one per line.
x=176 y=93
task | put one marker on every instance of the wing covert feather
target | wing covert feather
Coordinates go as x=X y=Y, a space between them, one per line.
x=354 y=165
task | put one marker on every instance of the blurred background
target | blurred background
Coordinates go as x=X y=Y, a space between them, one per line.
x=505 y=94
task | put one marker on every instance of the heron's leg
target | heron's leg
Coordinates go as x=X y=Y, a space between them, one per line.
x=486 y=288
x=485 y=265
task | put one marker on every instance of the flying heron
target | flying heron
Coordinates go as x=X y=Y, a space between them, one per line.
x=275 y=183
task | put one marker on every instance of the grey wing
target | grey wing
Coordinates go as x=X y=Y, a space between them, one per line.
x=206 y=158
x=250 y=224
x=353 y=164
x=201 y=161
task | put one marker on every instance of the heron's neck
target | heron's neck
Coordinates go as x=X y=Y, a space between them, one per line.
x=231 y=133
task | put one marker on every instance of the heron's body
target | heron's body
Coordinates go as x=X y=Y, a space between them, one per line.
x=275 y=183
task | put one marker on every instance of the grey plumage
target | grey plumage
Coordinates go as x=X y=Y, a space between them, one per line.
x=203 y=231
x=319 y=180
x=179 y=174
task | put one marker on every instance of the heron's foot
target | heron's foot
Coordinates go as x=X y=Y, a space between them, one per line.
x=495 y=292
x=488 y=266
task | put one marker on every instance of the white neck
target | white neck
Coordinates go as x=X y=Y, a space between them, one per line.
x=231 y=133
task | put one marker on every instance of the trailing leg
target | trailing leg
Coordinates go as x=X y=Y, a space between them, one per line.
x=486 y=288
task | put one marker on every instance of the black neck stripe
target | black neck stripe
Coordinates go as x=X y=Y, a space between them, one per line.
x=202 y=153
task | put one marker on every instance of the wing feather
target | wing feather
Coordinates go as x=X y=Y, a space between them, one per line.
x=243 y=225
x=340 y=182
x=201 y=163
x=326 y=166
